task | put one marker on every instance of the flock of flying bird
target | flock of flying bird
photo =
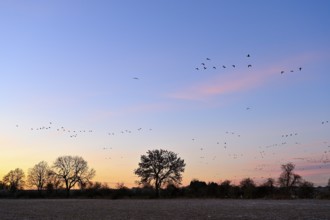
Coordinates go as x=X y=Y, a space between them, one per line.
x=262 y=153
x=204 y=65
x=71 y=133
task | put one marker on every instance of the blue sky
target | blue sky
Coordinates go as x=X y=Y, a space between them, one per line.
x=73 y=63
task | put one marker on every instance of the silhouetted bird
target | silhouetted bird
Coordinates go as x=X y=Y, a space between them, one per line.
x=223 y=66
x=291 y=71
x=135 y=78
x=249 y=65
x=282 y=72
x=203 y=64
x=205 y=68
x=300 y=68
x=208 y=59
x=233 y=66
x=197 y=68
x=248 y=55
x=214 y=67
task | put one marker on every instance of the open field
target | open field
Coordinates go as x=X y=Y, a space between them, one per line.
x=163 y=209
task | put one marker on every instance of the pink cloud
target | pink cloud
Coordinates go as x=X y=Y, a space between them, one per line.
x=222 y=85
x=239 y=80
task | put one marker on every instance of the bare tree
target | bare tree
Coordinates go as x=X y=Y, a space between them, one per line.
x=159 y=167
x=38 y=175
x=270 y=182
x=53 y=182
x=14 y=179
x=288 y=178
x=72 y=170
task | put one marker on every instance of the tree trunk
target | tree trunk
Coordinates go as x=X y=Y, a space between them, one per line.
x=157 y=190
x=67 y=192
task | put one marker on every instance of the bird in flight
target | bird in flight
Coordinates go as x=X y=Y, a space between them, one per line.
x=214 y=67
x=249 y=65
x=282 y=72
x=300 y=68
x=248 y=55
x=203 y=64
x=205 y=68
x=136 y=78
x=224 y=66
x=233 y=66
x=197 y=68
x=208 y=59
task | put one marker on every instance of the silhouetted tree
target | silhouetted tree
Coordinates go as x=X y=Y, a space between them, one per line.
x=72 y=170
x=270 y=182
x=306 y=190
x=14 y=179
x=53 y=182
x=248 y=187
x=2 y=185
x=172 y=190
x=288 y=179
x=121 y=191
x=38 y=175
x=160 y=166
x=198 y=188
x=267 y=188
x=235 y=192
x=224 y=189
x=212 y=189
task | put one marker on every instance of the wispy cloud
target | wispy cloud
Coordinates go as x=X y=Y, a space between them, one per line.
x=238 y=81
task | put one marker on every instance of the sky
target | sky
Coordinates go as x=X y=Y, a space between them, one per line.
x=110 y=80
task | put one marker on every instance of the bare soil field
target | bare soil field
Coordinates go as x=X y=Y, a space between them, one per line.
x=163 y=209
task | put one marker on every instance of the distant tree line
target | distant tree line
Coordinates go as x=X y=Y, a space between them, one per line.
x=160 y=173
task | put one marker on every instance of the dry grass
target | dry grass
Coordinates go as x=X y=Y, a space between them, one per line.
x=163 y=209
